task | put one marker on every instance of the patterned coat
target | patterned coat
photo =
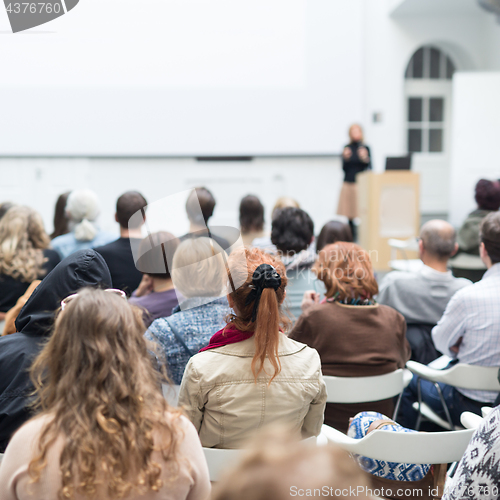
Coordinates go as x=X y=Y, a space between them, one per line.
x=187 y=330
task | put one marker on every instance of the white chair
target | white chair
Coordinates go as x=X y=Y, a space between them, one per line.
x=470 y=420
x=404 y=447
x=171 y=393
x=482 y=378
x=405 y=264
x=219 y=460
x=1 y=457
x=367 y=389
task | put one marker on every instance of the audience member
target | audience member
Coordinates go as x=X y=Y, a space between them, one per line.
x=264 y=242
x=61 y=222
x=82 y=210
x=200 y=207
x=251 y=373
x=293 y=233
x=156 y=294
x=104 y=429
x=24 y=254
x=251 y=219
x=403 y=481
x=468 y=331
x=332 y=232
x=34 y=323
x=119 y=254
x=277 y=467
x=355 y=336
x=421 y=297
x=487 y=196
x=478 y=474
x=4 y=207
x=198 y=274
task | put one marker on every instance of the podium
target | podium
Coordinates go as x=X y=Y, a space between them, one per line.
x=388 y=208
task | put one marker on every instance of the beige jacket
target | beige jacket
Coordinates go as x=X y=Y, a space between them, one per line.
x=226 y=405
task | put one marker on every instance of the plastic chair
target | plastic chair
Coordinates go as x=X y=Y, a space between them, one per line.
x=470 y=420
x=171 y=393
x=367 y=389
x=404 y=447
x=472 y=377
x=219 y=460
x=405 y=264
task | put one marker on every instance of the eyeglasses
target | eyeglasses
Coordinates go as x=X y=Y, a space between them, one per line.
x=115 y=291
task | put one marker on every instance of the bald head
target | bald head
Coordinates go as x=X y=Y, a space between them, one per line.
x=439 y=239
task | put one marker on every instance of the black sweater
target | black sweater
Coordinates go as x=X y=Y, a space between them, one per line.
x=354 y=165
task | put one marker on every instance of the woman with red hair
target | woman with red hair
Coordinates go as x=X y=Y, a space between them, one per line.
x=355 y=336
x=251 y=374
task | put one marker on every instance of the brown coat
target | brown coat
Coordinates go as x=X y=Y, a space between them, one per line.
x=354 y=341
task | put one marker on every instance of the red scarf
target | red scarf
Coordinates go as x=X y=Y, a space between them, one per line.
x=228 y=335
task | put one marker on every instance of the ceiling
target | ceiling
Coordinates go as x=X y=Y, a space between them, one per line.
x=431 y=7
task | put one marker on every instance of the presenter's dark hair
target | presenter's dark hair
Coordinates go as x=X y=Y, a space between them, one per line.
x=292 y=230
x=332 y=232
x=200 y=198
x=127 y=205
x=488 y=194
x=251 y=214
x=490 y=236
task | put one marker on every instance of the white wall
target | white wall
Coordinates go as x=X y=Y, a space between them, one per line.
x=475 y=138
x=313 y=182
x=189 y=78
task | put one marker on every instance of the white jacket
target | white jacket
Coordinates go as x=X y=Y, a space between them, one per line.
x=226 y=405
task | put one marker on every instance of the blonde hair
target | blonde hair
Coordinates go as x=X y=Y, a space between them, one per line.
x=96 y=367
x=275 y=462
x=22 y=241
x=284 y=202
x=199 y=268
x=360 y=128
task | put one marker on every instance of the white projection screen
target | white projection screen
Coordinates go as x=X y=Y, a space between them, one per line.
x=183 y=78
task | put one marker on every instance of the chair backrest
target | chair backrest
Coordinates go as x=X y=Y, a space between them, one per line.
x=171 y=393
x=364 y=389
x=472 y=377
x=404 y=447
x=219 y=460
x=470 y=420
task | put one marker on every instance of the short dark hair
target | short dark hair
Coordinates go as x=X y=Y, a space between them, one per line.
x=200 y=198
x=488 y=194
x=490 y=236
x=292 y=230
x=251 y=214
x=332 y=232
x=155 y=252
x=127 y=205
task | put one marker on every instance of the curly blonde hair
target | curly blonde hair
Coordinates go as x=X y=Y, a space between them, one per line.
x=22 y=241
x=95 y=380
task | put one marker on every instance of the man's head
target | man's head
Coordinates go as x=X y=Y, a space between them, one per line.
x=251 y=214
x=437 y=241
x=200 y=198
x=127 y=205
x=292 y=230
x=490 y=239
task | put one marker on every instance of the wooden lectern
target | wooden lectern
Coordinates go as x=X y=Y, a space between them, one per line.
x=388 y=208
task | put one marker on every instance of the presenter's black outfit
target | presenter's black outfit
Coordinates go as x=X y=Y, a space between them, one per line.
x=348 y=202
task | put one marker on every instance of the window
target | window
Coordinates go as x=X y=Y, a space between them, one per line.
x=430 y=62
x=426 y=119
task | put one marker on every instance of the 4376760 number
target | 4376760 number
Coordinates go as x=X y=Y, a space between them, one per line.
x=34 y=8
